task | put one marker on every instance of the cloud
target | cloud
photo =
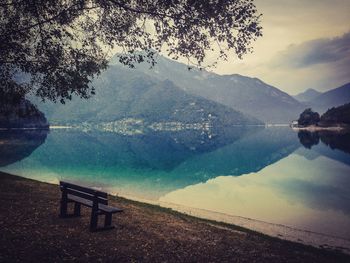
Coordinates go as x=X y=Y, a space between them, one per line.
x=303 y=46
x=321 y=64
x=319 y=51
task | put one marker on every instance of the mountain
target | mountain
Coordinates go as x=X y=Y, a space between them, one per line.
x=123 y=93
x=251 y=96
x=307 y=95
x=20 y=113
x=331 y=98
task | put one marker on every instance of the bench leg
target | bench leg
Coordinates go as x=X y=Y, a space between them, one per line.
x=93 y=221
x=108 y=220
x=107 y=225
x=63 y=209
x=77 y=207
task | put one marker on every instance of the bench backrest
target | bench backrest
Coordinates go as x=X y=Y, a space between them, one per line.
x=84 y=192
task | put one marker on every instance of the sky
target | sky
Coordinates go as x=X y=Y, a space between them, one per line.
x=305 y=44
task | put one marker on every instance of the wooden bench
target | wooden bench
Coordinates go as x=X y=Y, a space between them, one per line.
x=88 y=197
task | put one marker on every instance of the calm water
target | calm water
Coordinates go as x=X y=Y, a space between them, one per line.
x=270 y=174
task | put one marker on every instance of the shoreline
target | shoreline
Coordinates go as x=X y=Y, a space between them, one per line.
x=274 y=230
x=313 y=128
x=177 y=222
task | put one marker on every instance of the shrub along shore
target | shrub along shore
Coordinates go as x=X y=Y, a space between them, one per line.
x=31 y=231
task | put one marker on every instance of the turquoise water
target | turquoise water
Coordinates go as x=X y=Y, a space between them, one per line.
x=270 y=174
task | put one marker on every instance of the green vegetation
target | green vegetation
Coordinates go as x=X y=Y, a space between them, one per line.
x=308 y=117
x=338 y=115
x=16 y=112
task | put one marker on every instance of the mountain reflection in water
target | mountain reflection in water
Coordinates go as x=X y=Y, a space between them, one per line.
x=16 y=145
x=157 y=162
x=261 y=173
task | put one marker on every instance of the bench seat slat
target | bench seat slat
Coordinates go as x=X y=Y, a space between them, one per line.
x=88 y=203
x=109 y=209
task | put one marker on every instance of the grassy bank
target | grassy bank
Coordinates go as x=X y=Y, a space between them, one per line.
x=31 y=231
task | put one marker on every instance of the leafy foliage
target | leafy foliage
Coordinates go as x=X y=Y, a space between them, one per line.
x=52 y=48
x=337 y=115
x=18 y=112
x=308 y=117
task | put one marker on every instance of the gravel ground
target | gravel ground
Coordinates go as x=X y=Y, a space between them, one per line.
x=31 y=231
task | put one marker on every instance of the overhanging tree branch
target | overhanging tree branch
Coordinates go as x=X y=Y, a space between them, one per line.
x=60 y=45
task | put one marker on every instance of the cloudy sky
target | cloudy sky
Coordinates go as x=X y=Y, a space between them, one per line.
x=306 y=44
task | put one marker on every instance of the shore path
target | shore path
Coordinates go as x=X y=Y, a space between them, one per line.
x=31 y=231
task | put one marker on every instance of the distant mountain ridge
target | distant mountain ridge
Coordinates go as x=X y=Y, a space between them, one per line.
x=251 y=96
x=307 y=95
x=126 y=93
x=332 y=98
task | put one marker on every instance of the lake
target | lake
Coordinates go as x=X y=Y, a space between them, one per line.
x=276 y=175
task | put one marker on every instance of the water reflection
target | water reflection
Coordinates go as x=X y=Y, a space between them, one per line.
x=153 y=164
x=312 y=195
x=16 y=145
x=335 y=140
x=339 y=141
x=262 y=173
x=308 y=139
x=250 y=153
x=152 y=151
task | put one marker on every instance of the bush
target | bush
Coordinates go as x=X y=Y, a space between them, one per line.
x=308 y=117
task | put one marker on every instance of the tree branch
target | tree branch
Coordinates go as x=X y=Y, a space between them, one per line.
x=43 y=21
x=141 y=11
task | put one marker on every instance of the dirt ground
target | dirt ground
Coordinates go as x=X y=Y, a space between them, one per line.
x=31 y=231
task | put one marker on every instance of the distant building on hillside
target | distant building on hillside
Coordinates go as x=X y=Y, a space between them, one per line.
x=294 y=124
